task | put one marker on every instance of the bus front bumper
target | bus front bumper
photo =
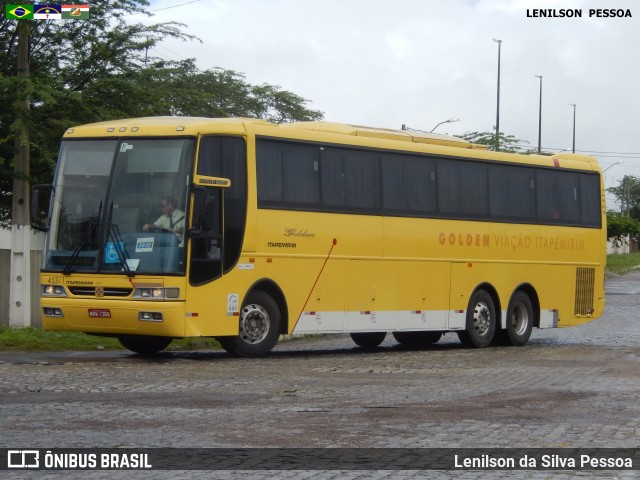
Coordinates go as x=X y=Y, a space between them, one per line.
x=128 y=317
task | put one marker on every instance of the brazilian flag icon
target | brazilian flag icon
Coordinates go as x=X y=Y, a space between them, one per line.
x=19 y=12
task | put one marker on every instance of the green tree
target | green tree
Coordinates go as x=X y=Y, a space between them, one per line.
x=627 y=194
x=619 y=227
x=180 y=88
x=508 y=143
x=101 y=69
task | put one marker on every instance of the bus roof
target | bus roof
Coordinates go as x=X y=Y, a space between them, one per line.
x=161 y=126
x=384 y=133
x=169 y=125
x=175 y=125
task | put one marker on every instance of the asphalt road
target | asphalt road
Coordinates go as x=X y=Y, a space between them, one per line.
x=568 y=388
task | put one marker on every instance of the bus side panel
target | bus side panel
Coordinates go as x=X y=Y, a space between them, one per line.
x=325 y=310
x=423 y=294
x=372 y=296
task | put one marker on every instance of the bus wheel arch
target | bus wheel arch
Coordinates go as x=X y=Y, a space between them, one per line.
x=262 y=318
x=272 y=289
x=482 y=317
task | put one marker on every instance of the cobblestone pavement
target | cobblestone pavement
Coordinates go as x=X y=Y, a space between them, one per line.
x=576 y=388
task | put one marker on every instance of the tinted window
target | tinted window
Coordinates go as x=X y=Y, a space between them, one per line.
x=557 y=196
x=288 y=173
x=349 y=179
x=462 y=188
x=408 y=184
x=590 y=200
x=512 y=192
x=330 y=178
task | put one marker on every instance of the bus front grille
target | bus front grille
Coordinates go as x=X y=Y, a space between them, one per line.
x=106 y=291
x=585 y=278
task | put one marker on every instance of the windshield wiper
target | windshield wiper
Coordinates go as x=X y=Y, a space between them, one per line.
x=85 y=239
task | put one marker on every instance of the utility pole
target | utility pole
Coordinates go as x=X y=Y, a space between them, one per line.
x=573 y=148
x=626 y=196
x=21 y=236
x=20 y=206
x=499 y=42
x=540 y=116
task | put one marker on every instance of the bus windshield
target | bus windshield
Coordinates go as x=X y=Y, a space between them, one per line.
x=106 y=213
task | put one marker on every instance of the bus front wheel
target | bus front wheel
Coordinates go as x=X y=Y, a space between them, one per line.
x=368 y=340
x=481 y=321
x=144 y=344
x=259 y=327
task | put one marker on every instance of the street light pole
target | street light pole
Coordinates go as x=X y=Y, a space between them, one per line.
x=574 y=127
x=451 y=120
x=499 y=42
x=613 y=165
x=540 y=116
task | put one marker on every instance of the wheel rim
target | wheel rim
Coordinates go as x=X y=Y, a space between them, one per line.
x=254 y=324
x=519 y=319
x=481 y=319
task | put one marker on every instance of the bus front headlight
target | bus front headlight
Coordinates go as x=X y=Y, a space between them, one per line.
x=155 y=293
x=49 y=290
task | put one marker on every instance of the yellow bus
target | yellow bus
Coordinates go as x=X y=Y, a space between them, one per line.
x=314 y=227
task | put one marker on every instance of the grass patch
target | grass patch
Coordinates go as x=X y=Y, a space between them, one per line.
x=33 y=339
x=621 y=263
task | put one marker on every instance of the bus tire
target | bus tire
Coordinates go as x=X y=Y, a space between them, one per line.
x=368 y=340
x=144 y=344
x=417 y=339
x=519 y=319
x=259 y=327
x=481 y=321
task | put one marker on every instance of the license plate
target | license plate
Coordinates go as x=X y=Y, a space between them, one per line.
x=99 y=313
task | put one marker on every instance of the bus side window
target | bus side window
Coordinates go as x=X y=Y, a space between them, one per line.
x=206 y=239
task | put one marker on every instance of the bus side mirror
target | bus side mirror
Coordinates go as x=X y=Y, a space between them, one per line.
x=39 y=220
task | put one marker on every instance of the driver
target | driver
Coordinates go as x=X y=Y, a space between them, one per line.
x=171 y=220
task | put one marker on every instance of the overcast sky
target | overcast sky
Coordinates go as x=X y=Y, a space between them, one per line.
x=385 y=63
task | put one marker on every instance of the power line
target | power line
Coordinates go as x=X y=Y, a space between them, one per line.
x=603 y=153
x=599 y=153
x=165 y=8
x=615 y=153
x=158 y=45
x=630 y=157
x=175 y=6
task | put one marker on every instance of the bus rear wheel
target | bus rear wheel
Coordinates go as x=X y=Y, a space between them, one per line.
x=259 y=327
x=519 y=319
x=417 y=339
x=368 y=340
x=481 y=321
x=144 y=344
